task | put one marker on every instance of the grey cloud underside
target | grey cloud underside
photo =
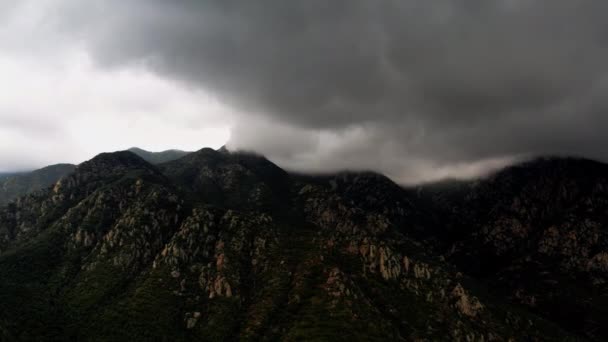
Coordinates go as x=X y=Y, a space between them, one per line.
x=439 y=82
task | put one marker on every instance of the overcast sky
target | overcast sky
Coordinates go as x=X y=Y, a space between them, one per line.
x=416 y=89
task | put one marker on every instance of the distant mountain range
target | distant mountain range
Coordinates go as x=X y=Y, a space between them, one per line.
x=14 y=185
x=158 y=157
x=224 y=246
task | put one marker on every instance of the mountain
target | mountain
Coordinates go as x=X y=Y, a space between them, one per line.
x=158 y=157
x=14 y=185
x=536 y=233
x=220 y=245
x=19 y=184
x=7 y=174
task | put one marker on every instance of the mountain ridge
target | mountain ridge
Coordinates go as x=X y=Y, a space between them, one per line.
x=221 y=245
x=158 y=157
x=15 y=185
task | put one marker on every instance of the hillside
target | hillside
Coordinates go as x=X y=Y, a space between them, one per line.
x=7 y=174
x=15 y=185
x=535 y=232
x=220 y=245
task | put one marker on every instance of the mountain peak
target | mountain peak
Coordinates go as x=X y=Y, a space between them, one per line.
x=216 y=234
x=115 y=159
x=113 y=164
x=223 y=149
x=136 y=150
x=158 y=157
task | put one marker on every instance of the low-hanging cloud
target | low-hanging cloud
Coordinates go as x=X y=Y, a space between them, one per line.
x=414 y=88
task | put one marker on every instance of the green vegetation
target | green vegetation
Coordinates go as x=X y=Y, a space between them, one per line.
x=219 y=246
x=16 y=185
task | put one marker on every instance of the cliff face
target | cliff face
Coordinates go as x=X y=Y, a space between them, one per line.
x=227 y=246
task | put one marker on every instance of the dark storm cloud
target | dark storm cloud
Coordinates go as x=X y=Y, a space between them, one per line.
x=437 y=82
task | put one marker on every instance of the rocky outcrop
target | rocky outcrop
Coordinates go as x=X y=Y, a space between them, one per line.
x=535 y=232
x=466 y=305
x=218 y=245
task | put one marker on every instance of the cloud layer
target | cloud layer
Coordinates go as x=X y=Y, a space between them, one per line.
x=416 y=89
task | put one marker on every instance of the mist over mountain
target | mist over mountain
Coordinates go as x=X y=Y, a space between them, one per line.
x=405 y=170
x=418 y=90
x=220 y=245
